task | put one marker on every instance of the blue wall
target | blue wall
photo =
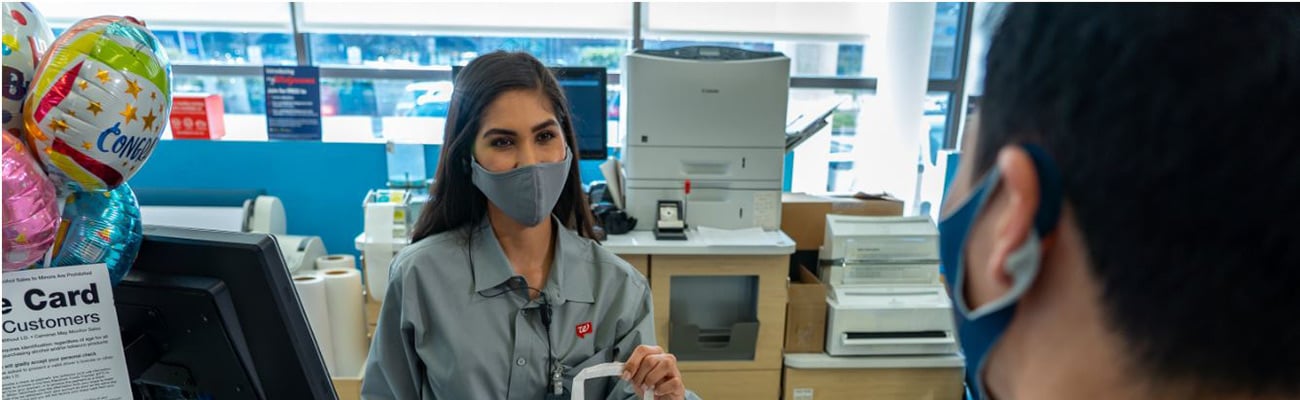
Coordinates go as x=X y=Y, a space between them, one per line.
x=322 y=185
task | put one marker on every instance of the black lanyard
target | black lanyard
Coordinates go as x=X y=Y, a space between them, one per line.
x=555 y=388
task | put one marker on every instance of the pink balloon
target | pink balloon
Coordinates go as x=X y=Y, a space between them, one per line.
x=31 y=215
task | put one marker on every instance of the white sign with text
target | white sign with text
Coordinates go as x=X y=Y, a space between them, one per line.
x=61 y=338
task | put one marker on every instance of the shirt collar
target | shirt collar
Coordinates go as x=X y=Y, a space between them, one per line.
x=570 y=278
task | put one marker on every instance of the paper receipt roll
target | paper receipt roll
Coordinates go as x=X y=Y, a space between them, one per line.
x=379 y=257
x=311 y=293
x=347 y=320
x=336 y=261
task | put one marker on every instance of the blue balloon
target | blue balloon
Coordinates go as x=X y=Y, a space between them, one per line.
x=100 y=227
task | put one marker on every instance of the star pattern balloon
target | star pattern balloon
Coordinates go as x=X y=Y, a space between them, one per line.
x=99 y=103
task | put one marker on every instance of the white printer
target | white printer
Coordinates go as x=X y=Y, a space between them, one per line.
x=889 y=320
x=885 y=296
x=388 y=225
x=235 y=210
x=715 y=116
x=300 y=252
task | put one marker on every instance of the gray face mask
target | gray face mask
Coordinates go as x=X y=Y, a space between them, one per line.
x=527 y=194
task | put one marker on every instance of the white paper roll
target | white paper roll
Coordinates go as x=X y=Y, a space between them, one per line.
x=336 y=261
x=379 y=256
x=347 y=320
x=311 y=293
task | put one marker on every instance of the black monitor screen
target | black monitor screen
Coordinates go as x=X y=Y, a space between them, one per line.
x=585 y=89
x=210 y=314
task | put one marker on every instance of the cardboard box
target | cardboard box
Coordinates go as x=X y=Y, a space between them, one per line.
x=803 y=216
x=821 y=377
x=198 y=116
x=747 y=385
x=884 y=384
x=349 y=387
x=805 y=324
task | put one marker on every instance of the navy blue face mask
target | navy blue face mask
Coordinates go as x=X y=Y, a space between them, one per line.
x=978 y=330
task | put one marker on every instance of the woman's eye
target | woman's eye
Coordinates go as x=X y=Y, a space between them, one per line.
x=545 y=136
x=501 y=142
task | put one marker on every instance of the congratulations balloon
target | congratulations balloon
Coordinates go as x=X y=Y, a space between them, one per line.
x=100 y=227
x=26 y=36
x=31 y=212
x=99 y=102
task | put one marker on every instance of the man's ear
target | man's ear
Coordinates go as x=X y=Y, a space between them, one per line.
x=1011 y=215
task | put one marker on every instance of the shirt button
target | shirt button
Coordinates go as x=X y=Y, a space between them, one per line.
x=521 y=361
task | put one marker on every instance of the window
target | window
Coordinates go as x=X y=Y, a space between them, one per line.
x=936 y=115
x=469 y=18
x=248 y=48
x=834 y=151
x=839 y=55
x=427 y=40
x=824 y=163
x=445 y=51
x=369 y=108
x=213 y=37
x=385 y=67
x=822 y=39
x=200 y=16
x=947 y=40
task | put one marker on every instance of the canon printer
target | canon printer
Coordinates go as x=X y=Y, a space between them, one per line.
x=716 y=117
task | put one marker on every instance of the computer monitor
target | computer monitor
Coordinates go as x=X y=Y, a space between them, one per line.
x=585 y=89
x=210 y=314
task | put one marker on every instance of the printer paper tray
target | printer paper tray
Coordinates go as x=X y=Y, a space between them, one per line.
x=841 y=345
x=704 y=164
x=903 y=338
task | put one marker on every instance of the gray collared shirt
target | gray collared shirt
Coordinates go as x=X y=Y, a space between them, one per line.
x=452 y=328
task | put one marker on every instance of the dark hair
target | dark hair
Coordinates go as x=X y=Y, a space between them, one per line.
x=455 y=202
x=1171 y=123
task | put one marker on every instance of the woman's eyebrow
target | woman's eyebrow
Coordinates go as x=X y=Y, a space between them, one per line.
x=544 y=125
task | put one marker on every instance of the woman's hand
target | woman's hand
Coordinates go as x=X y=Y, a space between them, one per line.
x=651 y=368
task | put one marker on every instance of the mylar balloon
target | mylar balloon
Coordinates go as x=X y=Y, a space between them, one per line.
x=99 y=103
x=26 y=37
x=100 y=227
x=31 y=212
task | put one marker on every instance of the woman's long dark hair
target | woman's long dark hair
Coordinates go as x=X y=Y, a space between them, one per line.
x=455 y=202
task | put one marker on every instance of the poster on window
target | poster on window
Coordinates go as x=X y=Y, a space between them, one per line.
x=61 y=338
x=292 y=103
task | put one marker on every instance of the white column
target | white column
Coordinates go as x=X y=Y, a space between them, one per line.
x=891 y=129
